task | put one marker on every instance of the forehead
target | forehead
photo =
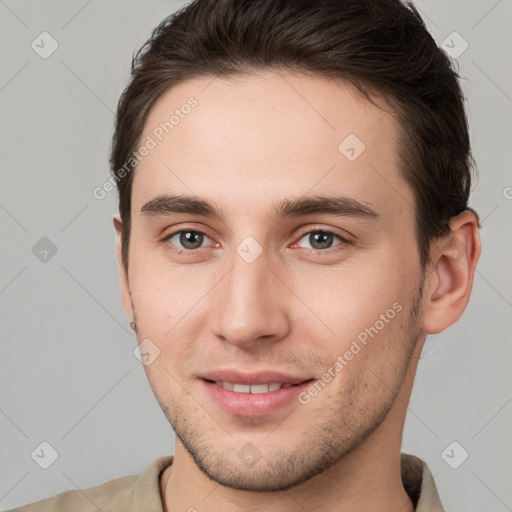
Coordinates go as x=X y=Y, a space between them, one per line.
x=254 y=139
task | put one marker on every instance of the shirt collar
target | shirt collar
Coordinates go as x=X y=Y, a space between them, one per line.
x=419 y=484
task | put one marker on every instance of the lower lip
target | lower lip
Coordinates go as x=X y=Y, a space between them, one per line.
x=253 y=404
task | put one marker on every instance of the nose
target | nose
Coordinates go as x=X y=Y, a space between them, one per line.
x=251 y=304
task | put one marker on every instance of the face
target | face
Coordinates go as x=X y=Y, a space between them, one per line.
x=289 y=258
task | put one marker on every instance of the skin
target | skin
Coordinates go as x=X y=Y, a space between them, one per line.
x=251 y=142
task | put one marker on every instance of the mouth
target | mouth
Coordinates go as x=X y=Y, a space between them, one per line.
x=253 y=395
x=255 y=389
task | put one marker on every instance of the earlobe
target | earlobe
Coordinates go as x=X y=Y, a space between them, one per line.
x=123 y=272
x=450 y=278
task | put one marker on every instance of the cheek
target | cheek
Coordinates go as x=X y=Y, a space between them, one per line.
x=166 y=299
x=351 y=301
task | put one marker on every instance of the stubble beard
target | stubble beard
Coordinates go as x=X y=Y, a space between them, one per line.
x=318 y=447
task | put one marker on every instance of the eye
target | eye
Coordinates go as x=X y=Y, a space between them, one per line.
x=187 y=239
x=320 y=240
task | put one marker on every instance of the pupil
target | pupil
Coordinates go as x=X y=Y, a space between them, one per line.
x=191 y=239
x=320 y=240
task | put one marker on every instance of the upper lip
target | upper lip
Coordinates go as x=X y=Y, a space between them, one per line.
x=263 y=377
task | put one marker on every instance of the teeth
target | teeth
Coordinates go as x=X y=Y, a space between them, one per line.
x=255 y=388
x=259 y=388
x=241 y=388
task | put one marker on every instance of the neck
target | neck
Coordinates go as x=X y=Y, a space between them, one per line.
x=357 y=483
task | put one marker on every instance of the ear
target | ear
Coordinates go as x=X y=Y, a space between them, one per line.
x=123 y=272
x=450 y=278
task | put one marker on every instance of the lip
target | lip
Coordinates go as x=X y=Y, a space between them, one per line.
x=253 y=405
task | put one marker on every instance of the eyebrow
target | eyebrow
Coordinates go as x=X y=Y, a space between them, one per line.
x=311 y=205
x=331 y=205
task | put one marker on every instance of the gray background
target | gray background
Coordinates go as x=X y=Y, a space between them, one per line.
x=68 y=373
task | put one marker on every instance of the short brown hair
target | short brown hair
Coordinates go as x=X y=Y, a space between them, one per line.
x=380 y=46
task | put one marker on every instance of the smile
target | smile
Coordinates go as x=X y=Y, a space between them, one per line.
x=254 y=399
x=254 y=388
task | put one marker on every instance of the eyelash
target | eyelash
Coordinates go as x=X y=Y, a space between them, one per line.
x=191 y=252
x=342 y=240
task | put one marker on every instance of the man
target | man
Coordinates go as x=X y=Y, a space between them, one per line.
x=293 y=181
